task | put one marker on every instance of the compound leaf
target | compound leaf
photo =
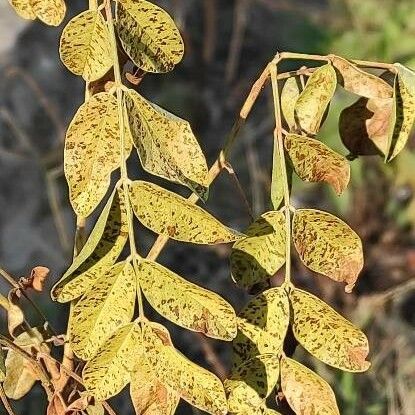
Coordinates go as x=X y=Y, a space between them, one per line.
x=107 y=305
x=101 y=250
x=23 y=9
x=289 y=96
x=313 y=161
x=149 y=36
x=166 y=144
x=50 y=12
x=326 y=334
x=258 y=257
x=85 y=45
x=192 y=307
x=169 y=214
x=305 y=391
x=328 y=246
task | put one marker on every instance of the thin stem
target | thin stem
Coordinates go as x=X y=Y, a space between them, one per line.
x=6 y=403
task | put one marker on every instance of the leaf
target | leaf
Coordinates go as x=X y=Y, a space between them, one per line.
x=106 y=374
x=403 y=113
x=107 y=305
x=358 y=81
x=37 y=278
x=364 y=126
x=277 y=181
x=169 y=214
x=289 y=96
x=2 y=366
x=315 y=98
x=166 y=144
x=326 y=334
x=23 y=9
x=195 y=385
x=252 y=382
x=85 y=45
x=101 y=250
x=92 y=152
x=148 y=394
x=258 y=257
x=50 y=12
x=149 y=36
x=262 y=326
x=313 y=161
x=328 y=246
x=56 y=405
x=305 y=391
x=15 y=315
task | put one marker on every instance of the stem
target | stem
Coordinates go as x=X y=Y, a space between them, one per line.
x=6 y=403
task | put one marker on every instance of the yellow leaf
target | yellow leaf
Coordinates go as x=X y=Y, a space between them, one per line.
x=85 y=45
x=262 y=326
x=195 y=385
x=149 y=36
x=101 y=250
x=23 y=9
x=358 y=81
x=109 y=371
x=169 y=214
x=328 y=246
x=326 y=334
x=2 y=366
x=192 y=307
x=305 y=391
x=313 y=161
x=315 y=98
x=50 y=12
x=166 y=144
x=258 y=257
x=289 y=96
x=108 y=304
x=92 y=152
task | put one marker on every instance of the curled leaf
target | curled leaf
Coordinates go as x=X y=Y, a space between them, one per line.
x=36 y=279
x=50 y=12
x=289 y=96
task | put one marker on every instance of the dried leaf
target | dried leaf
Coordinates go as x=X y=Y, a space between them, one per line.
x=38 y=277
x=289 y=96
x=15 y=315
x=328 y=246
x=305 y=391
x=166 y=144
x=149 y=36
x=101 y=250
x=50 y=12
x=362 y=83
x=313 y=161
x=85 y=45
x=315 y=98
x=56 y=405
x=258 y=257
x=23 y=9
x=326 y=334
x=169 y=214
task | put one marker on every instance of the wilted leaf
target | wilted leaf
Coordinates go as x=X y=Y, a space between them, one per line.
x=37 y=278
x=101 y=250
x=358 y=81
x=166 y=144
x=191 y=306
x=50 y=12
x=328 y=246
x=23 y=9
x=305 y=391
x=326 y=334
x=313 y=161
x=262 y=326
x=15 y=316
x=315 y=98
x=85 y=45
x=109 y=371
x=289 y=95
x=195 y=385
x=169 y=214
x=149 y=36
x=259 y=256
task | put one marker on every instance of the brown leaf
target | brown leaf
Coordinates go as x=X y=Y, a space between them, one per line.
x=36 y=278
x=56 y=405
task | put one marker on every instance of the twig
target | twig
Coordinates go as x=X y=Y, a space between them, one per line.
x=209 y=38
x=6 y=403
x=211 y=356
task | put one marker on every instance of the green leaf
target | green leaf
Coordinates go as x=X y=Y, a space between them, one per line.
x=169 y=214
x=108 y=304
x=328 y=246
x=109 y=371
x=50 y=12
x=326 y=334
x=258 y=257
x=315 y=98
x=166 y=144
x=92 y=152
x=262 y=326
x=101 y=250
x=191 y=306
x=149 y=36
x=85 y=45
x=289 y=96
x=23 y=9
x=195 y=385
x=313 y=161
x=362 y=83
x=305 y=391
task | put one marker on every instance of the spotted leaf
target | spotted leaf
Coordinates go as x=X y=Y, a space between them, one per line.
x=289 y=96
x=50 y=12
x=23 y=8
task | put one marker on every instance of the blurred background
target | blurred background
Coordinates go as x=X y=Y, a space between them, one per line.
x=228 y=43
